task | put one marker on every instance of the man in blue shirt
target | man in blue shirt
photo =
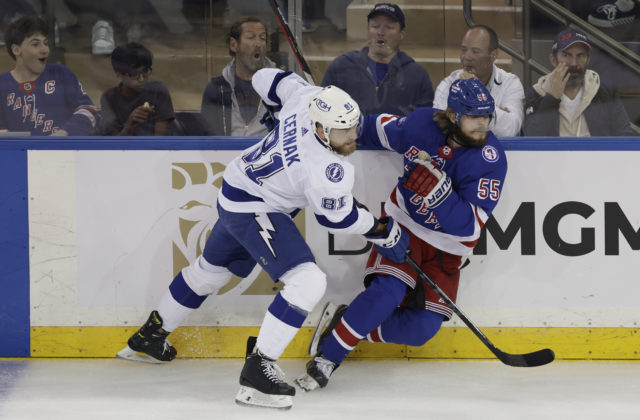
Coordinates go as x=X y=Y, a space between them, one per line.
x=380 y=77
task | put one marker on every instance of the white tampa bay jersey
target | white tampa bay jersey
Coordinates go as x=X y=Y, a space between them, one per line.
x=290 y=168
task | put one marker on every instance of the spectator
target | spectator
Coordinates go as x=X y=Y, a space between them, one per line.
x=41 y=98
x=137 y=106
x=478 y=54
x=610 y=14
x=571 y=101
x=380 y=77
x=230 y=105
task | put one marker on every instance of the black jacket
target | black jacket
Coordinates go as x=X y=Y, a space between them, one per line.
x=605 y=115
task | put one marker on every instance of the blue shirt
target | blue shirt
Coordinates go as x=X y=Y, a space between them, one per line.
x=379 y=70
x=56 y=99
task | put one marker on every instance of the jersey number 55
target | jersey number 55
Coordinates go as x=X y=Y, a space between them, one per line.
x=489 y=188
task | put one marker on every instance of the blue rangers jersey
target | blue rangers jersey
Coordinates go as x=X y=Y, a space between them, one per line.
x=477 y=175
x=290 y=169
x=56 y=99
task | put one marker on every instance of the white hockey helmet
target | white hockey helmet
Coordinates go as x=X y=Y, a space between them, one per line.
x=333 y=108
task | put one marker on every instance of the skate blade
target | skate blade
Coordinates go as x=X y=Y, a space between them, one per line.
x=327 y=313
x=253 y=398
x=307 y=383
x=128 y=354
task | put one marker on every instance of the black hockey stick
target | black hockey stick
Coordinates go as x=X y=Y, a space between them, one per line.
x=537 y=358
x=292 y=42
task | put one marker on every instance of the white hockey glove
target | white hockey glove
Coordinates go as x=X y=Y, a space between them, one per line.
x=393 y=245
x=426 y=179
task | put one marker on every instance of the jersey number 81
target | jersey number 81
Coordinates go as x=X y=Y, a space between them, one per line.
x=260 y=167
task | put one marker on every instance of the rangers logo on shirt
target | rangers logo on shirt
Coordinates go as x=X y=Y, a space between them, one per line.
x=490 y=154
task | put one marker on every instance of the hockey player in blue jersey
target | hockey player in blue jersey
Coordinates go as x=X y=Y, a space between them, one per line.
x=465 y=166
x=40 y=98
x=297 y=165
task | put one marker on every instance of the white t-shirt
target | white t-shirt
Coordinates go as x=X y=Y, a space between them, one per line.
x=572 y=104
x=507 y=92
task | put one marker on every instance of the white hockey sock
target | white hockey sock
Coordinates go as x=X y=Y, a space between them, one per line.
x=274 y=336
x=172 y=313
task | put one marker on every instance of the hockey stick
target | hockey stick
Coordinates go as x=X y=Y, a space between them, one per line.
x=292 y=42
x=537 y=358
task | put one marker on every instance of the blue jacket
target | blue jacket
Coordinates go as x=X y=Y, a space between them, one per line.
x=406 y=86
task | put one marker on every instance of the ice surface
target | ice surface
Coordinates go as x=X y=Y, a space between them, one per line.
x=105 y=389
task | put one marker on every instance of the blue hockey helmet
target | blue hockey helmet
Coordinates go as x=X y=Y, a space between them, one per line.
x=470 y=97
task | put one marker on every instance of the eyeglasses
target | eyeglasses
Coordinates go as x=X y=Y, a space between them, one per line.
x=144 y=73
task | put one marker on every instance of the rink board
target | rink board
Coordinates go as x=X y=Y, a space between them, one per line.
x=111 y=222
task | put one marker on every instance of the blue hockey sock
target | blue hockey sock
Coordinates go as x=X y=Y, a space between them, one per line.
x=183 y=294
x=286 y=312
x=366 y=312
x=409 y=326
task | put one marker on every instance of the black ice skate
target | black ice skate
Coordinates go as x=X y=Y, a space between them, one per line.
x=261 y=381
x=149 y=344
x=319 y=369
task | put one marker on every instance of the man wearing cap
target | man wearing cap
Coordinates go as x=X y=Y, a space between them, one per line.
x=380 y=77
x=572 y=101
x=478 y=53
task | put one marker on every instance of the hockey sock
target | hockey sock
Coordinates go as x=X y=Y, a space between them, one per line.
x=281 y=323
x=409 y=326
x=177 y=303
x=366 y=312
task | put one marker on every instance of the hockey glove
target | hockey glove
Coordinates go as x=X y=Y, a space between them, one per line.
x=393 y=244
x=426 y=179
x=270 y=117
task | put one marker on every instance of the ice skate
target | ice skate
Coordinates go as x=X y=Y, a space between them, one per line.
x=319 y=369
x=261 y=382
x=149 y=344
x=331 y=315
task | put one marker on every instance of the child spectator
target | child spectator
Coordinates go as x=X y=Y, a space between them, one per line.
x=137 y=106
x=40 y=98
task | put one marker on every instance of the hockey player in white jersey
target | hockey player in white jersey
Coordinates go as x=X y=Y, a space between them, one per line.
x=299 y=164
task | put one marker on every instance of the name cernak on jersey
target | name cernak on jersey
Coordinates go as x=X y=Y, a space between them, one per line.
x=289 y=140
x=265 y=160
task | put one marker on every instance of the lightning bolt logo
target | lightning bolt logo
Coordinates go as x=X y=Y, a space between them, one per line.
x=266 y=227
